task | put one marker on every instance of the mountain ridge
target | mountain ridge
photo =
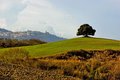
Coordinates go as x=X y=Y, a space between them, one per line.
x=25 y=35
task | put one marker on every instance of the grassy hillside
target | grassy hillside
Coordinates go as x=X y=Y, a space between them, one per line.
x=73 y=44
x=89 y=64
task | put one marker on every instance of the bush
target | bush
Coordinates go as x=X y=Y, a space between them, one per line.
x=16 y=43
x=14 y=54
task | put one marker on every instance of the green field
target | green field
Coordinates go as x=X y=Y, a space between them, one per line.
x=72 y=44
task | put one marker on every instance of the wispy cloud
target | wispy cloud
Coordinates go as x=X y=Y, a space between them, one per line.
x=3 y=22
x=64 y=16
x=9 y=10
x=39 y=14
x=34 y=15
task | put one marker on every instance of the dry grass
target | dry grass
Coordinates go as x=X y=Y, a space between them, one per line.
x=73 y=65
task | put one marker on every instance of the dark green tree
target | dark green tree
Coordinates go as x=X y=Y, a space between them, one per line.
x=86 y=30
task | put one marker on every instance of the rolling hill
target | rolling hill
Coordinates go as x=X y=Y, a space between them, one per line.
x=88 y=64
x=73 y=44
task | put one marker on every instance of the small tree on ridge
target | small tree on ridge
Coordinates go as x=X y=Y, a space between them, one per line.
x=86 y=30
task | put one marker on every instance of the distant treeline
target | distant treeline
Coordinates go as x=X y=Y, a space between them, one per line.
x=4 y=43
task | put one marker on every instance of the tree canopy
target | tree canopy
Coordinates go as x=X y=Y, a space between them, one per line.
x=86 y=30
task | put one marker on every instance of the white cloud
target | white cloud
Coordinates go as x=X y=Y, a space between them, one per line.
x=39 y=14
x=9 y=10
x=3 y=23
x=6 y=5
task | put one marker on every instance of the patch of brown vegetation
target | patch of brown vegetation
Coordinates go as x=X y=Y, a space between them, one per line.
x=5 y=43
x=83 y=54
x=73 y=65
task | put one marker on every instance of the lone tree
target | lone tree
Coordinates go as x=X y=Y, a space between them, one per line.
x=86 y=30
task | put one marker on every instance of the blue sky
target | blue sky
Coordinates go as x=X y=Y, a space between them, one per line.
x=62 y=17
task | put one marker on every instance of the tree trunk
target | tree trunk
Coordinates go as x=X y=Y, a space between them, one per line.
x=85 y=35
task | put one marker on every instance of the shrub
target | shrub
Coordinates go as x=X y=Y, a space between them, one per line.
x=14 y=54
x=16 y=43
